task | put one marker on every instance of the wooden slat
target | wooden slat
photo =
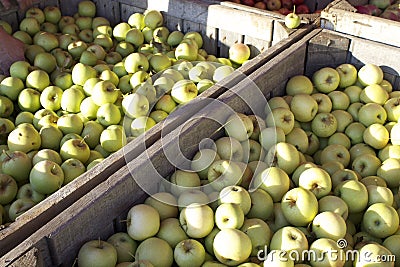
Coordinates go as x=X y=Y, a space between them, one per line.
x=225 y=40
x=360 y=25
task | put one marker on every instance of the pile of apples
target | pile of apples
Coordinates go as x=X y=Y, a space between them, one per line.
x=86 y=89
x=313 y=183
x=283 y=7
x=388 y=9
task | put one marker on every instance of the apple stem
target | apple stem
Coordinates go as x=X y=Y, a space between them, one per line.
x=100 y=246
x=294 y=9
x=75 y=262
x=5 y=152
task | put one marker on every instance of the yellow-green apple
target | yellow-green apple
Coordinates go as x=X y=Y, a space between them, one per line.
x=353 y=92
x=165 y=203
x=274 y=181
x=23 y=37
x=317 y=180
x=299 y=84
x=232 y=246
x=135 y=37
x=239 y=126
x=156 y=251
x=271 y=136
x=136 y=20
x=392 y=108
x=324 y=124
x=355 y=132
x=113 y=138
x=379 y=194
x=299 y=206
x=50 y=137
x=81 y=73
x=298 y=137
x=135 y=105
x=183 y=180
x=202 y=160
x=29 y=100
x=97 y=252
x=222 y=72
x=160 y=34
x=258 y=126
x=223 y=173
x=229 y=215
x=72 y=168
x=282 y=118
x=19 y=69
x=328 y=224
x=336 y=152
x=387 y=170
x=171 y=231
x=324 y=102
x=104 y=92
x=45 y=61
x=50 y=98
x=183 y=91
x=229 y=148
x=259 y=233
x=32 y=50
x=197 y=220
x=124 y=48
x=276 y=102
x=71 y=28
x=190 y=196
x=30 y=25
x=261 y=204
x=46 y=153
x=239 y=53
x=143 y=221
x=86 y=9
x=304 y=107
x=135 y=62
x=88 y=108
x=47 y=40
x=97 y=50
x=76 y=48
x=373 y=180
x=389 y=151
x=326 y=79
x=6 y=107
x=11 y=87
x=88 y=58
x=366 y=164
x=92 y=131
x=236 y=194
x=334 y=204
x=108 y=114
x=70 y=123
x=289 y=238
x=8 y=189
x=391 y=244
x=104 y=30
x=120 y=30
x=46 y=177
x=24 y=138
x=104 y=40
x=348 y=75
x=26 y=191
x=175 y=38
x=175 y=74
x=380 y=220
x=148 y=90
x=376 y=135
x=283 y=155
x=373 y=252
x=354 y=193
x=394 y=134
x=18 y=207
x=66 y=39
x=374 y=93
x=71 y=99
x=125 y=246
x=341 y=139
x=344 y=175
x=300 y=169
x=138 y=78
x=165 y=103
x=52 y=14
x=340 y=100
x=370 y=74
x=140 y=125
x=189 y=252
x=343 y=119
x=38 y=79
x=318 y=253
x=74 y=148
x=153 y=19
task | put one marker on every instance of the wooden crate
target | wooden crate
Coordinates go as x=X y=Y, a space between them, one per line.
x=40 y=214
x=341 y=16
x=101 y=212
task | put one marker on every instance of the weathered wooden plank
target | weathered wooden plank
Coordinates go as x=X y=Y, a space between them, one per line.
x=226 y=39
x=256 y=45
x=365 y=26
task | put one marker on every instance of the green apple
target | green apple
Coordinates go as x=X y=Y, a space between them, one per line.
x=153 y=19
x=354 y=193
x=283 y=155
x=124 y=48
x=326 y=79
x=229 y=215
x=52 y=14
x=70 y=123
x=50 y=137
x=232 y=246
x=299 y=84
x=353 y=92
x=74 y=148
x=6 y=107
x=46 y=177
x=135 y=37
x=299 y=206
x=370 y=74
x=304 y=107
x=348 y=75
x=65 y=20
x=108 y=114
x=50 y=98
x=324 y=124
x=289 y=238
x=24 y=138
x=16 y=164
x=11 y=87
x=274 y=181
x=23 y=37
x=387 y=170
x=317 y=180
x=47 y=40
x=113 y=138
x=8 y=189
x=222 y=72
x=18 y=207
x=376 y=136
x=175 y=38
x=259 y=232
x=333 y=204
x=292 y=20
x=165 y=203
x=135 y=62
x=38 y=79
x=32 y=50
x=76 y=49
x=380 y=220
x=72 y=168
x=319 y=248
x=125 y=246
x=71 y=99
x=87 y=9
x=24 y=116
x=92 y=131
x=29 y=100
x=335 y=152
x=26 y=191
x=143 y=221
x=366 y=164
x=104 y=92
x=392 y=107
x=84 y=23
x=379 y=194
x=155 y=250
x=97 y=252
x=186 y=51
x=136 y=20
x=140 y=125
x=81 y=73
x=183 y=91
x=30 y=25
x=238 y=53
x=339 y=99
x=20 y=70
x=159 y=62
x=329 y=224
x=135 y=105
x=189 y=252
x=171 y=231
x=374 y=93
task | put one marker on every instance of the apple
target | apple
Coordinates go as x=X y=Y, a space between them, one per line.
x=343 y=175
x=283 y=155
x=229 y=215
x=389 y=151
x=292 y=20
x=353 y=92
x=317 y=180
x=105 y=30
x=124 y=245
x=373 y=180
x=366 y=164
x=120 y=30
x=156 y=251
x=380 y=220
x=44 y=154
x=189 y=252
x=376 y=135
x=175 y=38
x=232 y=246
x=348 y=75
x=197 y=220
x=238 y=53
x=370 y=74
x=274 y=181
x=335 y=152
x=354 y=193
x=282 y=118
x=374 y=93
x=75 y=148
x=30 y=25
x=70 y=123
x=81 y=73
x=72 y=168
x=18 y=207
x=261 y=204
x=318 y=253
x=387 y=171
x=46 y=177
x=97 y=252
x=171 y=231
x=289 y=239
x=329 y=224
x=187 y=51
x=324 y=124
x=26 y=191
x=8 y=189
x=339 y=99
x=373 y=252
x=299 y=206
x=222 y=173
x=91 y=132
x=259 y=233
x=183 y=180
x=104 y=40
x=379 y=194
x=50 y=137
x=299 y=84
x=86 y=9
x=108 y=114
x=135 y=62
x=153 y=19
x=326 y=79
x=24 y=138
x=304 y=107
x=334 y=204
x=394 y=136
x=11 y=87
x=104 y=92
x=113 y=138
x=52 y=14
x=143 y=221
